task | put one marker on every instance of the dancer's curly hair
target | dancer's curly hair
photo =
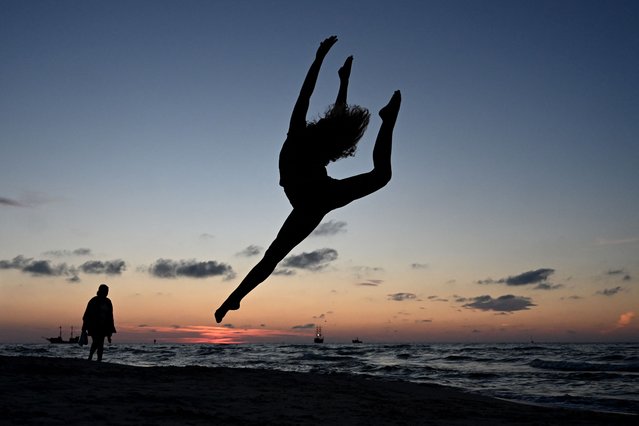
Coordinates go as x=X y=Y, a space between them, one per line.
x=336 y=133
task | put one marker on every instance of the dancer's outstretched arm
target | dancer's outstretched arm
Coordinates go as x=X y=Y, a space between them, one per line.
x=298 y=118
x=344 y=74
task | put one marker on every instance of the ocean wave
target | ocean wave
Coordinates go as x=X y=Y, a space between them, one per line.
x=582 y=366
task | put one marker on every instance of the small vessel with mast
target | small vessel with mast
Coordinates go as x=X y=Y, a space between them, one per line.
x=319 y=338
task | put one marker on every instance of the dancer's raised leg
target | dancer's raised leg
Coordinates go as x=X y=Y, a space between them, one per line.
x=384 y=141
x=298 y=226
x=344 y=74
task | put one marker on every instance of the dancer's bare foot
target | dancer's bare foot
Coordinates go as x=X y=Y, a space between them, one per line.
x=345 y=71
x=222 y=310
x=390 y=111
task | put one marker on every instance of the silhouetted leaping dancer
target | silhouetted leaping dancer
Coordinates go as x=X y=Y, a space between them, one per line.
x=308 y=149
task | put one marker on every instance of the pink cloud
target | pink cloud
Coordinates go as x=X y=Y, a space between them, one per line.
x=625 y=319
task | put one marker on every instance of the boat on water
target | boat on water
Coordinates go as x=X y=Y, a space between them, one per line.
x=59 y=338
x=319 y=338
x=356 y=340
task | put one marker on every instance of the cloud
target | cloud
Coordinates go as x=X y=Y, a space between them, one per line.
x=44 y=267
x=548 y=286
x=370 y=283
x=607 y=242
x=38 y=267
x=619 y=272
x=419 y=265
x=303 y=327
x=166 y=268
x=506 y=303
x=423 y=321
x=610 y=291
x=400 y=297
x=530 y=277
x=17 y=262
x=573 y=297
x=10 y=203
x=625 y=319
x=283 y=272
x=536 y=276
x=313 y=261
x=66 y=253
x=329 y=228
x=250 y=251
x=109 y=267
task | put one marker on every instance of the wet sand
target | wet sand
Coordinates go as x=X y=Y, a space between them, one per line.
x=56 y=391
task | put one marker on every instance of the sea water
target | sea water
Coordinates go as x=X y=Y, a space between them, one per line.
x=599 y=377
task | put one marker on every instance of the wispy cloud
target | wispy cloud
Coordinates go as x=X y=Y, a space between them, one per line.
x=68 y=253
x=250 y=251
x=10 y=202
x=625 y=276
x=610 y=291
x=313 y=261
x=419 y=265
x=401 y=297
x=109 y=267
x=618 y=241
x=536 y=276
x=370 y=283
x=303 y=327
x=548 y=286
x=329 y=228
x=166 y=268
x=506 y=303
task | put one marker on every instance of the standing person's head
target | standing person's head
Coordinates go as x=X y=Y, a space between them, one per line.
x=335 y=135
x=103 y=290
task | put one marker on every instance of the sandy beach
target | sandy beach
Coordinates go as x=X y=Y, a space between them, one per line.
x=50 y=391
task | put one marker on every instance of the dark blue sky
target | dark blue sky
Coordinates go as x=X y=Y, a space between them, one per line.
x=158 y=122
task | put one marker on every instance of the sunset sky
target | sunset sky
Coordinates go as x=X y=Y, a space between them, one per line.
x=139 y=145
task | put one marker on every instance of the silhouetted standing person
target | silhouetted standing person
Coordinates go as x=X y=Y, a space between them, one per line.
x=308 y=149
x=98 y=321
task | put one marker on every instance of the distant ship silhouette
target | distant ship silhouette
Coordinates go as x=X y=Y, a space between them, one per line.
x=59 y=339
x=319 y=338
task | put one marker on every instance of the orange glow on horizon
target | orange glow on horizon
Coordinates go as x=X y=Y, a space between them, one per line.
x=208 y=334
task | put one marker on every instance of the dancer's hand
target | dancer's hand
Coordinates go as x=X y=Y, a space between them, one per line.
x=345 y=71
x=325 y=46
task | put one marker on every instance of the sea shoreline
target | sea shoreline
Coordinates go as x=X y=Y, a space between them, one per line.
x=48 y=390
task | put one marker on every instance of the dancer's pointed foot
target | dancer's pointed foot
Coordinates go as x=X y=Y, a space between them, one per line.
x=345 y=71
x=222 y=310
x=390 y=111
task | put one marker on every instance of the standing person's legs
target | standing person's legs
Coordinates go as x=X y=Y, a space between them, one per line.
x=100 y=346
x=97 y=344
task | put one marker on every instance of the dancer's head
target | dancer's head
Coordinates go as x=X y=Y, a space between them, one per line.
x=336 y=133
